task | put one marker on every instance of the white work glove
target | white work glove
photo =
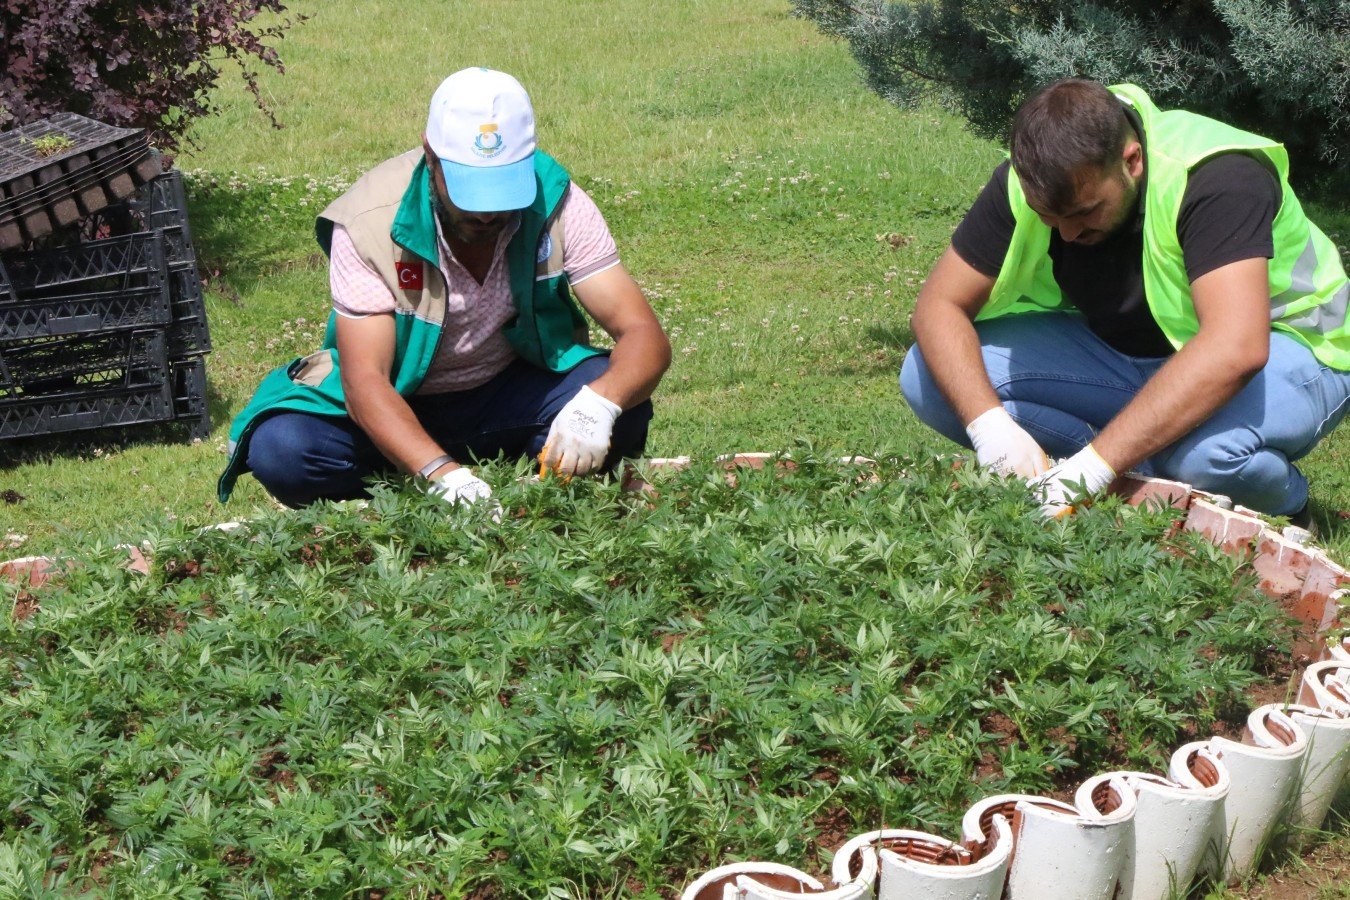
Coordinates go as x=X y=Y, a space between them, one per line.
x=1004 y=446
x=579 y=438
x=1076 y=479
x=462 y=486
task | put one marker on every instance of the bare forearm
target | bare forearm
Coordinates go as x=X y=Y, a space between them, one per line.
x=951 y=350
x=1187 y=390
x=389 y=421
x=640 y=357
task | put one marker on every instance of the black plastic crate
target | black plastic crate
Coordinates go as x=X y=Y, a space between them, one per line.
x=41 y=193
x=189 y=334
x=77 y=410
x=48 y=367
x=188 y=378
x=101 y=265
x=116 y=283
x=158 y=205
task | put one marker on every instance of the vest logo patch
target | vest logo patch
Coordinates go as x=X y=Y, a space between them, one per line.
x=409 y=275
x=545 y=248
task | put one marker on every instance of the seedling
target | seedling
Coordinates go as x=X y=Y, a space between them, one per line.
x=602 y=693
x=51 y=145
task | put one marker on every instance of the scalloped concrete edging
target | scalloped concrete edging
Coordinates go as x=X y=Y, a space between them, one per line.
x=1133 y=835
x=1128 y=835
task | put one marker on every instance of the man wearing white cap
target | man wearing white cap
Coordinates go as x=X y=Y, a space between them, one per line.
x=453 y=270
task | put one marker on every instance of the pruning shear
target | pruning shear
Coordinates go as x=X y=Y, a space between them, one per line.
x=544 y=469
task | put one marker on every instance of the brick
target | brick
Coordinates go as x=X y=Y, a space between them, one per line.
x=1137 y=490
x=1338 y=649
x=136 y=561
x=733 y=461
x=30 y=572
x=1282 y=567
x=744 y=460
x=1321 y=594
x=669 y=464
x=1232 y=532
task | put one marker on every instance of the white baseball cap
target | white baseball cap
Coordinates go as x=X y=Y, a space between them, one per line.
x=481 y=126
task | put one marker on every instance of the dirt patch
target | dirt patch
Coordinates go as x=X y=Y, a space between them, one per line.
x=11 y=497
x=1321 y=874
x=833 y=827
x=24 y=606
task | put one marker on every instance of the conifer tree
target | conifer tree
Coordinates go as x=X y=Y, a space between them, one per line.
x=1280 y=68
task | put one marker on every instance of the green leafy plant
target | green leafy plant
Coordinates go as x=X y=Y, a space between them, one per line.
x=50 y=144
x=598 y=696
x=1274 y=67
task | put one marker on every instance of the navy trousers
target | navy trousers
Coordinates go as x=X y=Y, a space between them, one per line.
x=300 y=458
x=1062 y=384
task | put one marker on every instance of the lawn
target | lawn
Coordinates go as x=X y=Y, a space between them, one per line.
x=598 y=697
x=780 y=216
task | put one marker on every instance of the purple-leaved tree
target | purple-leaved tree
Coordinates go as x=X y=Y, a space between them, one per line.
x=140 y=63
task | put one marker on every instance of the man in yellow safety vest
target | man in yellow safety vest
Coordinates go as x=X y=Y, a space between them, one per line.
x=1135 y=289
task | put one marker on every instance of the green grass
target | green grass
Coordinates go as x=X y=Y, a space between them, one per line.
x=751 y=182
x=789 y=315
x=598 y=697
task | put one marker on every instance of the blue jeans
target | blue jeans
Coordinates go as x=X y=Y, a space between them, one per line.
x=300 y=458
x=1062 y=384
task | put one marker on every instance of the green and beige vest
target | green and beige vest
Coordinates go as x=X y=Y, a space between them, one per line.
x=390 y=217
x=1308 y=286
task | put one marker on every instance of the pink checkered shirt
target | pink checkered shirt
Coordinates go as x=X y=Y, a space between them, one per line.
x=473 y=348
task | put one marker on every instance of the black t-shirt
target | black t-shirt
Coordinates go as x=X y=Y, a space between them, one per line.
x=1226 y=215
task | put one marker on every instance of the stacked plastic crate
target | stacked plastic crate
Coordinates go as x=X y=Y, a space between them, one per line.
x=102 y=321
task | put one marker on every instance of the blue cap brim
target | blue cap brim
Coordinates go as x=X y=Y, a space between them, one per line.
x=490 y=188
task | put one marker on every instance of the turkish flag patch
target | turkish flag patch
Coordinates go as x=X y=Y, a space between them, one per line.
x=409 y=275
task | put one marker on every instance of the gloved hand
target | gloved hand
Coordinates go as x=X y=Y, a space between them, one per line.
x=1077 y=478
x=462 y=486
x=579 y=438
x=1004 y=446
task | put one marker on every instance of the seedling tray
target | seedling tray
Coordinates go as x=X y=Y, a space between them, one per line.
x=117 y=283
x=41 y=194
x=62 y=367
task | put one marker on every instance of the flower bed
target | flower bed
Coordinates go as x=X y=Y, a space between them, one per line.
x=603 y=695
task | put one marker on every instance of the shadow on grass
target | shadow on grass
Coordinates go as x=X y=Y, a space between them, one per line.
x=245 y=233
x=16 y=452
x=894 y=337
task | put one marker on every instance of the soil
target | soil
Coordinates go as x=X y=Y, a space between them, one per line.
x=1321 y=874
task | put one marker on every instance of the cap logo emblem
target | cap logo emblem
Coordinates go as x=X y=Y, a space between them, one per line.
x=489 y=141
